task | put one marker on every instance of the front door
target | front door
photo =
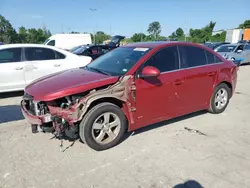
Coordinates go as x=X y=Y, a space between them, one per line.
x=40 y=62
x=160 y=98
x=11 y=70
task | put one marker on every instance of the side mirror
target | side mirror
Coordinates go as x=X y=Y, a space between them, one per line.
x=149 y=71
x=239 y=51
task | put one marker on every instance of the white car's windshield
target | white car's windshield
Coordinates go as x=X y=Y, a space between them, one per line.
x=119 y=61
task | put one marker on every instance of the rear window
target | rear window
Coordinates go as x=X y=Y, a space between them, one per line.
x=192 y=56
x=10 y=55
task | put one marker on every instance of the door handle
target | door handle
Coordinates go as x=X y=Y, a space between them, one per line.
x=19 y=68
x=179 y=82
x=211 y=73
x=57 y=65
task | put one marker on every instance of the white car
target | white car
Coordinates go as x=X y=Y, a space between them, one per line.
x=20 y=64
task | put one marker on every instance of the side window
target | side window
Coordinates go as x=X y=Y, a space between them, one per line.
x=210 y=58
x=94 y=50
x=52 y=43
x=217 y=60
x=192 y=56
x=239 y=48
x=165 y=59
x=10 y=55
x=59 y=55
x=39 y=54
x=104 y=50
x=247 y=47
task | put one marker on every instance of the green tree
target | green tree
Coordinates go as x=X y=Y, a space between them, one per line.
x=74 y=32
x=100 y=36
x=154 y=29
x=22 y=35
x=179 y=32
x=245 y=24
x=137 y=37
x=172 y=36
x=7 y=33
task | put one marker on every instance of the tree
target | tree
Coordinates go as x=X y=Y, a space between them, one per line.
x=99 y=37
x=7 y=32
x=74 y=32
x=22 y=35
x=137 y=37
x=179 y=32
x=172 y=36
x=245 y=24
x=154 y=29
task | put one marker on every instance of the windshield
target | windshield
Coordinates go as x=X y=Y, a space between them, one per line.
x=119 y=61
x=225 y=48
x=46 y=41
x=79 y=49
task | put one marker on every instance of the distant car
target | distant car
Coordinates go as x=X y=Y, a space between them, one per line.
x=1 y=43
x=96 y=50
x=244 y=42
x=20 y=64
x=92 y=50
x=235 y=52
x=129 y=88
x=214 y=45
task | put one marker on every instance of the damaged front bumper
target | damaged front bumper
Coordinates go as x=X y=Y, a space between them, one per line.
x=34 y=119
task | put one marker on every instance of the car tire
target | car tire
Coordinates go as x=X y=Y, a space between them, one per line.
x=220 y=99
x=95 y=125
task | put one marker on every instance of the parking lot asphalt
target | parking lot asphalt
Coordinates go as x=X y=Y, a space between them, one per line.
x=212 y=150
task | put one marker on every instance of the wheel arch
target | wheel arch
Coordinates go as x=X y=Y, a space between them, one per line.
x=230 y=86
x=112 y=100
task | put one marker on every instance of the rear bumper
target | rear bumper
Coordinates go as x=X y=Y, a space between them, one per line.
x=32 y=119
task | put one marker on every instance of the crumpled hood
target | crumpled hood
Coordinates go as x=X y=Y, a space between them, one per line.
x=67 y=83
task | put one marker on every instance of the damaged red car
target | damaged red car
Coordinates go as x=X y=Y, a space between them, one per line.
x=128 y=88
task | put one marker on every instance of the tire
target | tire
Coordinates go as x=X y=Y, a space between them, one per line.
x=89 y=135
x=214 y=106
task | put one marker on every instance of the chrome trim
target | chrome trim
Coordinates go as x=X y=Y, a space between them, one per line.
x=192 y=67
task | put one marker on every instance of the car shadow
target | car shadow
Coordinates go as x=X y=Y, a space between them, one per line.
x=11 y=94
x=10 y=113
x=189 y=184
x=168 y=122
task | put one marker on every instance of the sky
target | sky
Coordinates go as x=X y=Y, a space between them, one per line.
x=124 y=17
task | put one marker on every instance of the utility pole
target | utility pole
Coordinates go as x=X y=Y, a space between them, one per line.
x=185 y=30
x=93 y=10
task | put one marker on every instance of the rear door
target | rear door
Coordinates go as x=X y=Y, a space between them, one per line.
x=11 y=69
x=200 y=76
x=41 y=62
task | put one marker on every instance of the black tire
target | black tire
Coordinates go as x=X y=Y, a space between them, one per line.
x=85 y=127
x=213 y=109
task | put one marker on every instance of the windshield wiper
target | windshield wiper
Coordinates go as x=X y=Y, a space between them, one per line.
x=98 y=70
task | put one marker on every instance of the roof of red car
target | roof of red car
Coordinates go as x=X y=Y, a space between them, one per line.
x=156 y=44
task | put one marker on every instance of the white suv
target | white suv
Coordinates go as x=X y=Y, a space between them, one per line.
x=20 y=64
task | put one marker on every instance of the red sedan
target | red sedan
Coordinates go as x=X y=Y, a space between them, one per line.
x=128 y=88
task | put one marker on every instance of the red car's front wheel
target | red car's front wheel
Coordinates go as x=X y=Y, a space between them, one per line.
x=103 y=126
